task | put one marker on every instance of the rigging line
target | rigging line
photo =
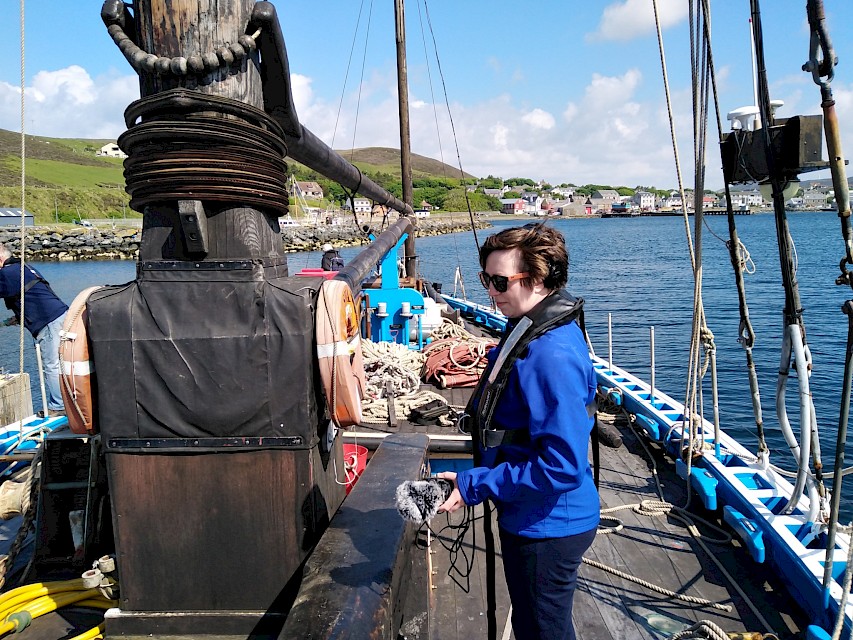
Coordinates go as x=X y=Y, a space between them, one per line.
x=23 y=245
x=435 y=117
x=707 y=336
x=793 y=309
x=452 y=128
x=672 y=126
x=746 y=334
x=692 y=371
x=689 y=406
x=346 y=74
x=678 y=174
x=361 y=80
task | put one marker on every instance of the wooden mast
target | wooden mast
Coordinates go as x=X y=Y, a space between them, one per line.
x=405 y=136
x=185 y=29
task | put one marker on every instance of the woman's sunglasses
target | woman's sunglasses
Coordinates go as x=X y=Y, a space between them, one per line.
x=500 y=283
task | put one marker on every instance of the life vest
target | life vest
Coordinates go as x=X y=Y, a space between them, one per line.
x=556 y=310
x=339 y=352
x=76 y=370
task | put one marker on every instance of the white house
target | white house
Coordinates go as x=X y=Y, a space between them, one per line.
x=111 y=150
x=564 y=192
x=532 y=203
x=362 y=205
x=644 y=200
x=310 y=190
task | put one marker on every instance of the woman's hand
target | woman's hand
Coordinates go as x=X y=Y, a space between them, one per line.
x=454 y=501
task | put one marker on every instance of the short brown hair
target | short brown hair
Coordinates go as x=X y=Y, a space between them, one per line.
x=543 y=253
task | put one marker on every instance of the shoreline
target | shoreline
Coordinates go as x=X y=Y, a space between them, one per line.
x=71 y=243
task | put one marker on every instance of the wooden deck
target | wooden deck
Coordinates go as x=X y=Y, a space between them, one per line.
x=445 y=589
x=656 y=549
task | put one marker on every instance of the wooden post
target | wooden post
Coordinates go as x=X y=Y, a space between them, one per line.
x=185 y=28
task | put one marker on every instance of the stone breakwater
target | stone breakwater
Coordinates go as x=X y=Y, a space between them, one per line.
x=102 y=243
x=313 y=238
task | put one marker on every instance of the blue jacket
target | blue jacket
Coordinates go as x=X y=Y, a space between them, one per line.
x=42 y=305
x=543 y=488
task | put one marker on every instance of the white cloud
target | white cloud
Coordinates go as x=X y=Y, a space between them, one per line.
x=71 y=83
x=500 y=135
x=539 y=119
x=607 y=136
x=303 y=94
x=69 y=103
x=634 y=18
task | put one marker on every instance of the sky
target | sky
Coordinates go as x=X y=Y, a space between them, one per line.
x=566 y=92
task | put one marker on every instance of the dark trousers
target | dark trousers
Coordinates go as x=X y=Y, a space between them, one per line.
x=541 y=575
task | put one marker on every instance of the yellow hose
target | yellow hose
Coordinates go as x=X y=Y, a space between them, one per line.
x=52 y=587
x=35 y=591
x=91 y=634
x=19 y=606
x=43 y=604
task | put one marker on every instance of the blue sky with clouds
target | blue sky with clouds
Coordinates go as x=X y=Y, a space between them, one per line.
x=563 y=91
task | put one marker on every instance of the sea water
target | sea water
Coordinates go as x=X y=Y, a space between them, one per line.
x=638 y=270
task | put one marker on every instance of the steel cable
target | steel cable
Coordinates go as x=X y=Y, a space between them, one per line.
x=190 y=146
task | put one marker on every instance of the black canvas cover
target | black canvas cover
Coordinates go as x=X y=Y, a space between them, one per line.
x=206 y=360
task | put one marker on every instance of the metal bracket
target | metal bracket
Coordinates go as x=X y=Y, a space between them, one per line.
x=193 y=221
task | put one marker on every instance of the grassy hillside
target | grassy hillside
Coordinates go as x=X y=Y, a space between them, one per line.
x=385 y=160
x=67 y=181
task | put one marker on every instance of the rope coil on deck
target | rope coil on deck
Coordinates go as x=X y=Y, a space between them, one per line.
x=394 y=369
x=455 y=358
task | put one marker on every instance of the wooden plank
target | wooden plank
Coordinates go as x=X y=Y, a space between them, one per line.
x=674 y=555
x=354 y=584
x=461 y=615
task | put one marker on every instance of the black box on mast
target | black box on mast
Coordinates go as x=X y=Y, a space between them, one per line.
x=796 y=144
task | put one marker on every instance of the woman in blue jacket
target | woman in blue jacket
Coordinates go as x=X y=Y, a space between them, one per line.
x=532 y=420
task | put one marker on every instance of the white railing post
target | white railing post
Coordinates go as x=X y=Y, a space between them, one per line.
x=652 y=352
x=609 y=342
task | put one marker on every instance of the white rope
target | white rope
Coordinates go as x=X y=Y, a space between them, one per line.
x=744 y=259
x=704 y=629
x=653 y=587
x=449 y=329
x=390 y=365
x=845 y=593
x=23 y=191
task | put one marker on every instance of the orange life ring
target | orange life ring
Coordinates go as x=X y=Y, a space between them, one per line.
x=339 y=352
x=76 y=370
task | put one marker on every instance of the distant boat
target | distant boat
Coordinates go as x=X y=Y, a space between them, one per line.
x=287 y=221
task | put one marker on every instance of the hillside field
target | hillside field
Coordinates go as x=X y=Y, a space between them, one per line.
x=66 y=181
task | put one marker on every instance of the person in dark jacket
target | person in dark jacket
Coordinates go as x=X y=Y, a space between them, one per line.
x=44 y=313
x=538 y=475
x=331 y=260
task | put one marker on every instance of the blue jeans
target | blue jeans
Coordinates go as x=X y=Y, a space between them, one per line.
x=48 y=341
x=541 y=575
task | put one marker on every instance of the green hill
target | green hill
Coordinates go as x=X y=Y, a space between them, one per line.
x=66 y=181
x=385 y=160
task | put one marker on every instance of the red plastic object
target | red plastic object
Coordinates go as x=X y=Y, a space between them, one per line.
x=315 y=272
x=355 y=459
